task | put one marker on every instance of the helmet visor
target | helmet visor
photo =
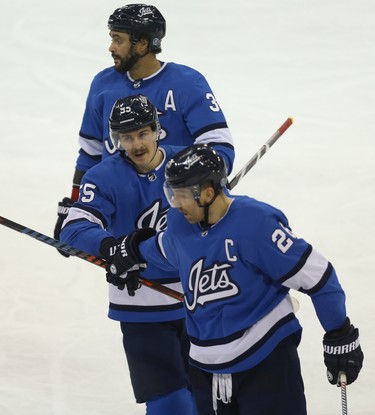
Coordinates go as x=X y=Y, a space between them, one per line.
x=123 y=139
x=182 y=196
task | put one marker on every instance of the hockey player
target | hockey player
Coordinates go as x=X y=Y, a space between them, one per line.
x=237 y=259
x=187 y=108
x=122 y=193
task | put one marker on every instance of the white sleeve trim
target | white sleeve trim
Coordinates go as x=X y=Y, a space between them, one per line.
x=91 y=147
x=219 y=136
x=310 y=274
x=77 y=213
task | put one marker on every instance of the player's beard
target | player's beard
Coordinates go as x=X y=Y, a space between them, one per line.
x=126 y=63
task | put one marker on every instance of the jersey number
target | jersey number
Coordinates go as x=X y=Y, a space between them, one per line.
x=214 y=105
x=87 y=192
x=281 y=240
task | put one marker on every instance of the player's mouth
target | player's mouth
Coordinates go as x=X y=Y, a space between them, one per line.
x=139 y=155
x=186 y=214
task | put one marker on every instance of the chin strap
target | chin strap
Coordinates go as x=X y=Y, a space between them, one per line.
x=205 y=225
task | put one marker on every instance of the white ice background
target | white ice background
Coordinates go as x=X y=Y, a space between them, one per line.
x=266 y=60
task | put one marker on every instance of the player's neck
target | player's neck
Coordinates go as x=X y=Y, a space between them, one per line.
x=154 y=162
x=159 y=156
x=145 y=67
x=219 y=208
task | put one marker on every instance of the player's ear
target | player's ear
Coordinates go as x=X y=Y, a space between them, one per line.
x=142 y=45
x=207 y=193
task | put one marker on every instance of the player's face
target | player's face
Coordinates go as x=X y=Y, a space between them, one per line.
x=140 y=146
x=123 y=54
x=183 y=200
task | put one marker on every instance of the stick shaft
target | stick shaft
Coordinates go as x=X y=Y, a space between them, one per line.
x=344 y=402
x=83 y=255
x=260 y=153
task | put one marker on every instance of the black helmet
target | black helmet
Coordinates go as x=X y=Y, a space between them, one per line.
x=137 y=19
x=196 y=165
x=132 y=113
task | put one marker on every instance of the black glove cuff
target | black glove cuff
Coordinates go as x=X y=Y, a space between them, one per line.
x=107 y=247
x=63 y=207
x=138 y=236
x=341 y=332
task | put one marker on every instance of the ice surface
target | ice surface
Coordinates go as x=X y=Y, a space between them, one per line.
x=266 y=60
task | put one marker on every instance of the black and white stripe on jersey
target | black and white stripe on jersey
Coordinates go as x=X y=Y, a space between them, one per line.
x=80 y=212
x=226 y=352
x=310 y=274
x=91 y=146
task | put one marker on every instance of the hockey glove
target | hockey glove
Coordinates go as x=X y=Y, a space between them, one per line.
x=108 y=247
x=62 y=213
x=124 y=260
x=342 y=353
x=129 y=278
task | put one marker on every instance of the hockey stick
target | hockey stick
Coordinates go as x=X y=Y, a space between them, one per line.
x=344 y=402
x=84 y=255
x=100 y=262
x=261 y=152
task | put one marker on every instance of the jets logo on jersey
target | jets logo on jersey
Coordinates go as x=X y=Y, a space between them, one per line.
x=153 y=217
x=209 y=284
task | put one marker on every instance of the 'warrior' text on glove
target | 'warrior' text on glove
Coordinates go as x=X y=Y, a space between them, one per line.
x=342 y=353
x=62 y=212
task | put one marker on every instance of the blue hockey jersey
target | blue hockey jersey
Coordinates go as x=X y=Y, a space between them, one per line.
x=114 y=200
x=187 y=109
x=236 y=277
